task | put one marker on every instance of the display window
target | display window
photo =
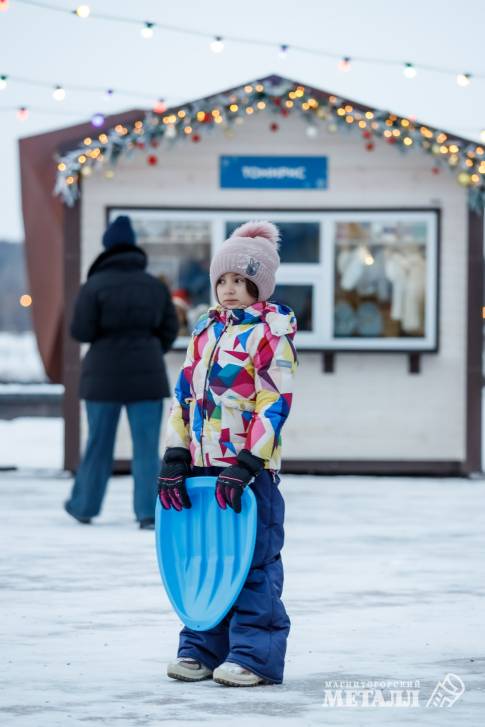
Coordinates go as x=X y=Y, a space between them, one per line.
x=357 y=280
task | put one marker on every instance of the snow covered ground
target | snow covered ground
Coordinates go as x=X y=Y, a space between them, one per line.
x=384 y=583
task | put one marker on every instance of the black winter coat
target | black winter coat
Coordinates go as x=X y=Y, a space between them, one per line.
x=128 y=317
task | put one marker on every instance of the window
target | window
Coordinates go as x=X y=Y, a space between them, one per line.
x=384 y=283
x=356 y=280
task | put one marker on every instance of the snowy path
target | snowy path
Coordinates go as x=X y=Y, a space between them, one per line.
x=384 y=580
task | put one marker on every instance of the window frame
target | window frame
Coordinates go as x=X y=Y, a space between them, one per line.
x=321 y=275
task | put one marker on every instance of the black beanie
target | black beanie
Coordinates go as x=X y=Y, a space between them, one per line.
x=120 y=231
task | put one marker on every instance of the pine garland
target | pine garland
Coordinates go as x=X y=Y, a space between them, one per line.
x=279 y=97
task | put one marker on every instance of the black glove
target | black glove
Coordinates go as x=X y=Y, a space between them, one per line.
x=232 y=481
x=171 y=482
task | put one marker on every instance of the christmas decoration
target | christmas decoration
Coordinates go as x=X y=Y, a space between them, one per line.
x=152 y=160
x=464 y=158
x=97 y=120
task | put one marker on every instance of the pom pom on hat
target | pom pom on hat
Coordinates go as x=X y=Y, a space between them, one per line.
x=251 y=251
x=259 y=229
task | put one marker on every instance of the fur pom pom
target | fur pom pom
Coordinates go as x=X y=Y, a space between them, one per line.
x=260 y=228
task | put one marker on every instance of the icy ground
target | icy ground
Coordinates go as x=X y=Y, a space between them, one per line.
x=384 y=581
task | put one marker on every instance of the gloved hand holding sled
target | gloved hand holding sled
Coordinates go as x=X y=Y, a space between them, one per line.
x=171 y=482
x=232 y=481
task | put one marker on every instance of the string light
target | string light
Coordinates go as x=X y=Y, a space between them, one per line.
x=160 y=106
x=83 y=11
x=22 y=113
x=25 y=300
x=147 y=31
x=97 y=120
x=283 y=53
x=409 y=70
x=58 y=94
x=344 y=64
x=463 y=79
x=3 y=83
x=217 y=45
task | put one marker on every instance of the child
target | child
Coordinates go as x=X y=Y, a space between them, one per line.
x=232 y=398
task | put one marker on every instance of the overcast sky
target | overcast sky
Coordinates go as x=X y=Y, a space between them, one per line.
x=62 y=49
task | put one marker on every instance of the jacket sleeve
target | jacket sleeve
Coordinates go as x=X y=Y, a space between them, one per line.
x=84 y=323
x=178 y=424
x=275 y=363
x=169 y=326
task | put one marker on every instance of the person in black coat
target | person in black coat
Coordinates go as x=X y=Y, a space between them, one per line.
x=130 y=321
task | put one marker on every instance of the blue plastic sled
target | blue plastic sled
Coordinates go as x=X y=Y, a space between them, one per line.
x=204 y=553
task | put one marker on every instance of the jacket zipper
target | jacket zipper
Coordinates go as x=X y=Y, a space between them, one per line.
x=209 y=364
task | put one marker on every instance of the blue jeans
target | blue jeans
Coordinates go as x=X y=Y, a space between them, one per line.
x=255 y=631
x=96 y=466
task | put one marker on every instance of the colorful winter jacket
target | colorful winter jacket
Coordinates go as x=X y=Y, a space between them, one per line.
x=234 y=390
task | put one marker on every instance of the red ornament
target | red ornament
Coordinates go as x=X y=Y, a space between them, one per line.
x=391 y=139
x=139 y=144
x=274 y=126
x=154 y=143
x=152 y=160
x=367 y=134
x=277 y=102
x=370 y=145
x=284 y=112
x=435 y=170
x=196 y=138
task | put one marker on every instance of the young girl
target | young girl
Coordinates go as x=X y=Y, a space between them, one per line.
x=232 y=398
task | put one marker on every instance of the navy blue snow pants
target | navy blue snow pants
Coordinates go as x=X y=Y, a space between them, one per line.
x=255 y=631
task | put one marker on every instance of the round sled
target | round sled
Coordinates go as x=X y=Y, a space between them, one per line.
x=204 y=553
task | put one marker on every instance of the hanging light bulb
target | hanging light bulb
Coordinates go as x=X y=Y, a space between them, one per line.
x=160 y=107
x=463 y=79
x=344 y=64
x=217 y=45
x=97 y=120
x=83 y=11
x=147 y=31
x=58 y=94
x=283 y=51
x=482 y=135
x=3 y=83
x=409 y=70
x=22 y=113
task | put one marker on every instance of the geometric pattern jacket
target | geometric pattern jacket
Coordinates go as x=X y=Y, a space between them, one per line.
x=234 y=390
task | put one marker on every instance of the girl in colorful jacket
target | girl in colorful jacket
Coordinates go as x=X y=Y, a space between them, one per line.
x=232 y=398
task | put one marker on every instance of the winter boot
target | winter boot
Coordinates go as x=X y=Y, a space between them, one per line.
x=188 y=670
x=82 y=520
x=147 y=523
x=233 y=675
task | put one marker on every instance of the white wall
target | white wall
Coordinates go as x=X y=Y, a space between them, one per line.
x=370 y=408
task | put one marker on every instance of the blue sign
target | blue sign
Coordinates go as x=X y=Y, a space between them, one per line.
x=276 y=172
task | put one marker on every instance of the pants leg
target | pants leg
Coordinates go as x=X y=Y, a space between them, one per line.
x=145 y=419
x=96 y=465
x=255 y=631
x=210 y=647
x=259 y=625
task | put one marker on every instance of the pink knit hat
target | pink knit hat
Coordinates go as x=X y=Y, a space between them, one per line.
x=251 y=251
